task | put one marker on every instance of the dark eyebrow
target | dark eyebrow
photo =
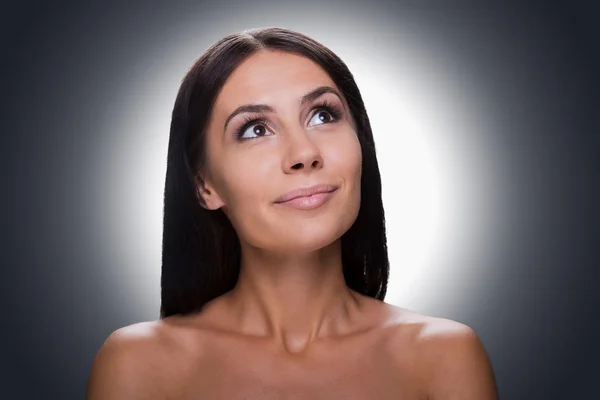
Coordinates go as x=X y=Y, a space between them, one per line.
x=257 y=108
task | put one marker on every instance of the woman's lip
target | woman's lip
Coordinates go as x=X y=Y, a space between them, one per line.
x=305 y=192
x=308 y=202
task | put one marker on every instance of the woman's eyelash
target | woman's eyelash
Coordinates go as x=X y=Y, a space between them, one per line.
x=247 y=123
x=331 y=108
x=325 y=105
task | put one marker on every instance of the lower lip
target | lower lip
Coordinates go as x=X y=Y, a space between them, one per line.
x=308 y=202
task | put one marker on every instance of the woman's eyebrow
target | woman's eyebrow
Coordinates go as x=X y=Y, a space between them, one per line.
x=307 y=98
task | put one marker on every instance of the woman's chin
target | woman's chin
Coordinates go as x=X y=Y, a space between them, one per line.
x=308 y=243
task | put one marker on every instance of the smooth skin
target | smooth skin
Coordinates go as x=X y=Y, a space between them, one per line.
x=291 y=328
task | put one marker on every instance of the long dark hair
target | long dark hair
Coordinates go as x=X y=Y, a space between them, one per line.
x=201 y=249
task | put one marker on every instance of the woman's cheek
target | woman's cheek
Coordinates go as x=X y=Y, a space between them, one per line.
x=251 y=181
x=348 y=154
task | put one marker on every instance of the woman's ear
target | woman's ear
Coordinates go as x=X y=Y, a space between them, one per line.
x=208 y=197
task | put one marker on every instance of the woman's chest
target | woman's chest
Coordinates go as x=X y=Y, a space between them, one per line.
x=339 y=382
x=359 y=373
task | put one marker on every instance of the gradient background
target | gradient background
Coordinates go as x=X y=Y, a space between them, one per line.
x=486 y=121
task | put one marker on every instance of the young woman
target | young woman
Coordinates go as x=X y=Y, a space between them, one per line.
x=275 y=262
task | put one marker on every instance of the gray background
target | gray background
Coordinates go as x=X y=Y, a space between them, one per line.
x=67 y=72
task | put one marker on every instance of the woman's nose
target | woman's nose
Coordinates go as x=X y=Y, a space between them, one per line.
x=303 y=154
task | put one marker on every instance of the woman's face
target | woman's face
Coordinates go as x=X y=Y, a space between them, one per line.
x=296 y=145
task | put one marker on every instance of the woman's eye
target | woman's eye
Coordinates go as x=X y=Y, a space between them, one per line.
x=258 y=129
x=322 y=116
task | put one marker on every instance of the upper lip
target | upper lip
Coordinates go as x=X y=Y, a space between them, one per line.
x=309 y=191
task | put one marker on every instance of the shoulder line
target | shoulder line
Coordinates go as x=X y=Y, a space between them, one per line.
x=122 y=368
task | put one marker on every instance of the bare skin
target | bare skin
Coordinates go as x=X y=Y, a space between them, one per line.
x=291 y=328
x=393 y=353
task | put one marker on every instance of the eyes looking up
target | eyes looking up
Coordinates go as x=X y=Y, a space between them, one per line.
x=326 y=113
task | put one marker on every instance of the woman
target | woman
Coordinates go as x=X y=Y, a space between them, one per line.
x=275 y=263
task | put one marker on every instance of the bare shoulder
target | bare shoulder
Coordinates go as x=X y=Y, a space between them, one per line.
x=451 y=358
x=122 y=367
x=137 y=361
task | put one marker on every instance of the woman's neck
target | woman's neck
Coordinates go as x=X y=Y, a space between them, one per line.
x=294 y=300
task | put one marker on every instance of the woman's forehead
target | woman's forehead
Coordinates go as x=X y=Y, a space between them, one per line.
x=270 y=77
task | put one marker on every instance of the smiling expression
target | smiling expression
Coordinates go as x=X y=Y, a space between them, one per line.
x=280 y=123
